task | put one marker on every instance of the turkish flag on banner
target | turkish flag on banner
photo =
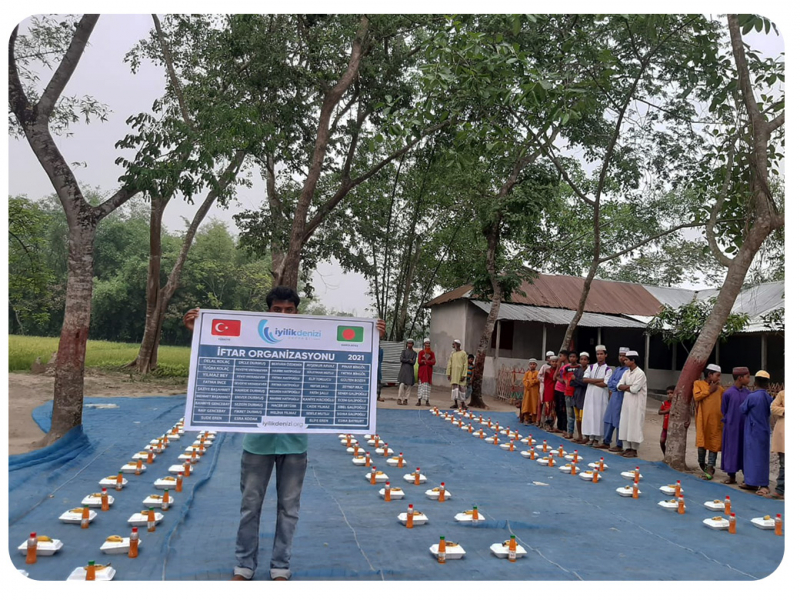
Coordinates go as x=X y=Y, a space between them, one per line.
x=226 y=327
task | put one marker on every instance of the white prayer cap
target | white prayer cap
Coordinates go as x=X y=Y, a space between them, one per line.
x=426 y=341
x=532 y=360
x=715 y=368
x=549 y=354
x=633 y=353
x=624 y=350
x=598 y=348
x=457 y=342
x=409 y=341
x=586 y=354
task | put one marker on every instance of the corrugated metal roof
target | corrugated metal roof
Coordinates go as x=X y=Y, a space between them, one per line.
x=556 y=316
x=563 y=291
x=390 y=367
x=675 y=297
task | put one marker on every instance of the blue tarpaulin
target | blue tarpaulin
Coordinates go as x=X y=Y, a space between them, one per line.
x=571 y=529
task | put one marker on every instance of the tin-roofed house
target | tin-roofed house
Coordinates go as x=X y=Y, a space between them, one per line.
x=616 y=314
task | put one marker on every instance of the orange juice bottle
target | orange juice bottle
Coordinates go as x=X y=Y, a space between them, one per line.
x=410 y=517
x=90 y=571
x=441 y=492
x=602 y=462
x=118 y=486
x=165 y=500
x=159 y=446
x=511 y=446
x=85 y=517
x=416 y=476
x=512 y=549
x=531 y=453
x=636 y=475
x=387 y=494
x=442 y=552
x=133 y=547
x=469 y=428
x=552 y=462
x=372 y=475
x=187 y=468
x=474 y=514
x=778 y=524
x=727 y=505
x=151 y=520
x=104 y=499
x=400 y=460
x=572 y=470
x=681 y=505
x=483 y=435
x=516 y=434
x=149 y=456
x=349 y=441
x=678 y=488
x=530 y=442
x=544 y=446
x=635 y=490
x=179 y=483
x=368 y=460
x=732 y=521
x=33 y=543
x=194 y=454
x=596 y=475
x=561 y=450
x=201 y=449
x=138 y=466
x=496 y=441
x=386 y=450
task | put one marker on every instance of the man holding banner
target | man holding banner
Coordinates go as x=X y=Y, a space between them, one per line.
x=262 y=452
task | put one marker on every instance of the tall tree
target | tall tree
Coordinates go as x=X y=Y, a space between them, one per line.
x=748 y=159
x=33 y=116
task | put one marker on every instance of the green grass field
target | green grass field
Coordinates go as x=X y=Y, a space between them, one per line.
x=173 y=361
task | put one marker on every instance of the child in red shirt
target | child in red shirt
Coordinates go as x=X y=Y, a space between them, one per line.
x=664 y=410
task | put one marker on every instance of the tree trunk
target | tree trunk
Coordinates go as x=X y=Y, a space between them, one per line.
x=493 y=239
x=69 y=371
x=573 y=325
x=412 y=270
x=675 y=455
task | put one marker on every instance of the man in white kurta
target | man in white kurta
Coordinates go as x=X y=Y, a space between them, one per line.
x=596 y=399
x=634 y=406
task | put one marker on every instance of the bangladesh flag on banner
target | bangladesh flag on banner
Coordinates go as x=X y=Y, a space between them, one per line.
x=349 y=334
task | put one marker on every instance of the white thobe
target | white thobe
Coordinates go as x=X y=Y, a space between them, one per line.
x=596 y=400
x=634 y=407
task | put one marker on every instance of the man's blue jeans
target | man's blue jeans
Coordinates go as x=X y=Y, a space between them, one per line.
x=570 y=404
x=609 y=432
x=290 y=469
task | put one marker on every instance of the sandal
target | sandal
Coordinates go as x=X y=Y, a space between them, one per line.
x=763 y=492
x=744 y=486
x=729 y=480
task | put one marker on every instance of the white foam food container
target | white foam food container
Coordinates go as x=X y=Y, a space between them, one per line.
x=344 y=440
x=527 y=439
x=466 y=428
x=73 y=518
x=419 y=519
x=139 y=520
x=501 y=551
x=352 y=450
x=627 y=492
x=568 y=468
x=381 y=443
x=668 y=490
x=467 y=518
x=93 y=501
x=631 y=475
x=450 y=552
x=384 y=453
x=715 y=505
x=188 y=456
x=589 y=476
x=162 y=483
x=380 y=477
x=489 y=439
x=409 y=477
x=79 y=574
x=172 y=437
x=394 y=494
x=669 y=504
x=592 y=465
x=716 y=523
x=763 y=524
x=359 y=461
x=129 y=468
x=544 y=461
x=570 y=456
x=107 y=482
x=142 y=455
x=477 y=433
x=527 y=454
x=152 y=501
x=195 y=446
x=392 y=462
x=179 y=469
x=118 y=547
x=434 y=495
x=206 y=443
x=42 y=548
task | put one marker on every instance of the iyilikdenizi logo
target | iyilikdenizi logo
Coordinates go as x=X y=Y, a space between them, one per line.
x=278 y=335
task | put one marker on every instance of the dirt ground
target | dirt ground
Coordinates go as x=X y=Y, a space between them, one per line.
x=27 y=391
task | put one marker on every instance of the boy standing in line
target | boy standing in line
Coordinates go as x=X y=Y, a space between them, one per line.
x=666 y=406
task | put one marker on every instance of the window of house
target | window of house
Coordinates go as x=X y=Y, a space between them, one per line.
x=506 y=335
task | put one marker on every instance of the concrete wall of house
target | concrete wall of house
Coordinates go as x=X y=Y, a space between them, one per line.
x=448 y=322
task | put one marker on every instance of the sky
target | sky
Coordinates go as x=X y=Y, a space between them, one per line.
x=103 y=75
